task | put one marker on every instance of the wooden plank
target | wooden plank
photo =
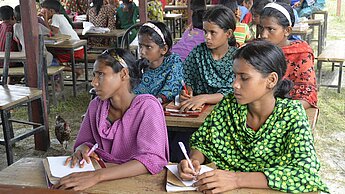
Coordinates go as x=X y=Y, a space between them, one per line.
x=12 y=94
x=29 y=172
x=333 y=53
x=30 y=24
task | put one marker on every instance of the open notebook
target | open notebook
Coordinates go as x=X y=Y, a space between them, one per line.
x=55 y=169
x=175 y=183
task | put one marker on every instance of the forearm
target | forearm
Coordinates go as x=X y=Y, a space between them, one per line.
x=197 y=155
x=212 y=98
x=128 y=169
x=252 y=180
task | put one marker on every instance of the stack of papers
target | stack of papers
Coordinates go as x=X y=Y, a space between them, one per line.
x=175 y=183
x=88 y=27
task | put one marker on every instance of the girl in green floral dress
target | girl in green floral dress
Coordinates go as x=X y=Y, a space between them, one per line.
x=256 y=137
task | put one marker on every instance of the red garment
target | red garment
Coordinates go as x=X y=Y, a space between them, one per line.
x=4 y=28
x=64 y=57
x=247 y=18
x=163 y=3
x=300 y=70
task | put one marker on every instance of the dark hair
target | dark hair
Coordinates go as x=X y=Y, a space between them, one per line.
x=197 y=5
x=232 y=4
x=98 y=5
x=146 y=30
x=109 y=58
x=51 y=4
x=224 y=18
x=197 y=18
x=283 y=1
x=283 y=21
x=17 y=15
x=6 y=12
x=258 y=6
x=266 y=58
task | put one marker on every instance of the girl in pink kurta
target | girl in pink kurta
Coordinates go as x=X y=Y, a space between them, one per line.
x=129 y=129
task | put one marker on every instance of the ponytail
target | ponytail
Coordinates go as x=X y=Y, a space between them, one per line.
x=283 y=88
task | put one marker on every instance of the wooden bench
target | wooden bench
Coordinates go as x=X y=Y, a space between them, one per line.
x=320 y=35
x=335 y=54
x=52 y=71
x=325 y=18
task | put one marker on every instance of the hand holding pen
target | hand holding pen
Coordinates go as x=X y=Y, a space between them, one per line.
x=185 y=93
x=188 y=168
x=94 y=147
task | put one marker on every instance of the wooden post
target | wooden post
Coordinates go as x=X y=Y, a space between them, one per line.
x=338 y=7
x=30 y=26
x=143 y=11
x=189 y=12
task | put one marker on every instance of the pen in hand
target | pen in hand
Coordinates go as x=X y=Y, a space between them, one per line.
x=94 y=147
x=184 y=151
x=184 y=87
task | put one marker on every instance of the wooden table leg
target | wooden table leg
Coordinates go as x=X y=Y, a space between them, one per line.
x=7 y=135
x=340 y=76
x=74 y=79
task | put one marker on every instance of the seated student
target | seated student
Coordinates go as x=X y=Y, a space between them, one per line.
x=208 y=68
x=243 y=10
x=7 y=18
x=78 y=7
x=306 y=8
x=101 y=15
x=155 y=10
x=192 y=37
x=242 y=32
x=129 y=129
x=127 y=14
x=256 y=137
x=257 y=7
x=162 y=69
x=19 y=36
x=59 y=25
x=248 y=17
x=298 y=54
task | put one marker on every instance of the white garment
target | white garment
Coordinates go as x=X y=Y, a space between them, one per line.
x=59 y=21
x=18 y=34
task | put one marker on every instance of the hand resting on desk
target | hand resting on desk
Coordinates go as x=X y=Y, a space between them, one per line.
x=79 y=154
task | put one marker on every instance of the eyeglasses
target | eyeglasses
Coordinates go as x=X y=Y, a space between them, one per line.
x=117 y=57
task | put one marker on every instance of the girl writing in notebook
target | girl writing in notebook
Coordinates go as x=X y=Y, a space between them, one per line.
x=162 y=69
x=256 y=136
x=276 y=21
x=208 y=68
x=129 y=129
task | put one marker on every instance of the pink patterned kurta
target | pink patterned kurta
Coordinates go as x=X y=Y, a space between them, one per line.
x=141 y=134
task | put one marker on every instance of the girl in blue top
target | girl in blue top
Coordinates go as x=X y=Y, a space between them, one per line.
x=162 y=70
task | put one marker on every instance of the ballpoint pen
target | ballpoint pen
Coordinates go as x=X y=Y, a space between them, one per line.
x=184 y=151
x=94 y=147
x=184 y=87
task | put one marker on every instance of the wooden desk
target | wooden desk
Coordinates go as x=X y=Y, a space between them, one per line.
x=334 y=53
x=70 y=46
x=14 y=56
x=116 y=33
x=13 y=189
x=320 y=34
x=187 y=123
x=29 y=172
x=171 y=19
x=305 y=34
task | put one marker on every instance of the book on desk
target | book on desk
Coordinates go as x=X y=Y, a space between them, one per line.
x=57 y=39
x=172 y=109
x=55 y=169
x=88 y=27
x=174 y=183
